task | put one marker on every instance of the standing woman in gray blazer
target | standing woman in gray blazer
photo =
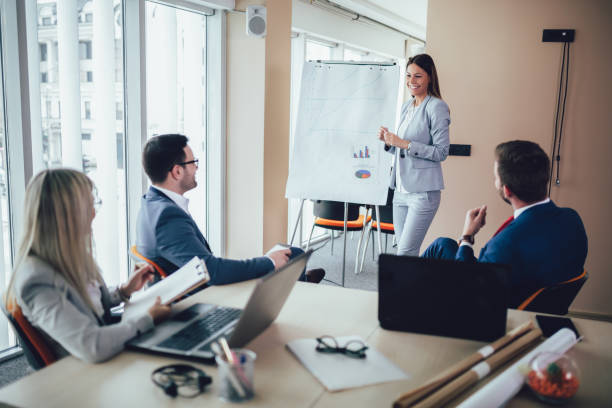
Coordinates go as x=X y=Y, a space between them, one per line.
x=419 y=146
x=56 y=281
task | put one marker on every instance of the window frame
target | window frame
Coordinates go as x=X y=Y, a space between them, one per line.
x=14 y=117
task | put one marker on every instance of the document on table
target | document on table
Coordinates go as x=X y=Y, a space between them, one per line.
x=277 y=247
x=172 y=287
x=338 y=372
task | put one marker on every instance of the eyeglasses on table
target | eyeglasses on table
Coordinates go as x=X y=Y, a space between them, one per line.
x=329 y=344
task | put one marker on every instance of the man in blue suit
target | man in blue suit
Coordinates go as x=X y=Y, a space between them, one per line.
x=166 y=233
x=544 y=244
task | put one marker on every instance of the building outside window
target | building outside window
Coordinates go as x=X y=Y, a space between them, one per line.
x=78 y=55
x=119 y=111
x=43 y=52
x=85 y=50
x=87 y=111
x=176 y=91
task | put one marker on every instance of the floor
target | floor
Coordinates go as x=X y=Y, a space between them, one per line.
x=18 y=367
x=332 y=263
x=14 y=369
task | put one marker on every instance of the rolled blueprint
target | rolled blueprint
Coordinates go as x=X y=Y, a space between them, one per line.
x=410 y=398
x=507 y=384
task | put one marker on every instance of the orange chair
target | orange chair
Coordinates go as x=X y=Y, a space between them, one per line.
x=137 y=256
x=330 y=215
x=38 y=353
x=555 y=299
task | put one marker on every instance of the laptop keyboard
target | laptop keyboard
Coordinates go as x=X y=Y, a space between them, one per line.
x=201 y=329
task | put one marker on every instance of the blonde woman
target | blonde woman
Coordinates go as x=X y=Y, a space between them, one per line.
x=56 y=281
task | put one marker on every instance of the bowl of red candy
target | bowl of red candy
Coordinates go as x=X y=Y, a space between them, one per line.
x=554 y=378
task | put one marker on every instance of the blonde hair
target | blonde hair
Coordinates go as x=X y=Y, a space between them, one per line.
x=57 y=228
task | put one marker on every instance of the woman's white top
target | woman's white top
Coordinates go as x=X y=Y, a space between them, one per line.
x=400 y=132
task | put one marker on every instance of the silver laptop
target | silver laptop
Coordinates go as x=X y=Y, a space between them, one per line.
x=189 y=333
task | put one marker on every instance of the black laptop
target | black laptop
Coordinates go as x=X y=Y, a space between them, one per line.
x=444 y=298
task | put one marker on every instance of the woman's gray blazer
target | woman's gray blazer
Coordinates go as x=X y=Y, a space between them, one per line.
x=428 y=133
x=53 y=306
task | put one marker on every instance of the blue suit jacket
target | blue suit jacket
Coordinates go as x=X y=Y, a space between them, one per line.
x=169 y=236
x=545 y=245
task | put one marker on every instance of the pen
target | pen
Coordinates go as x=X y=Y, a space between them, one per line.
x=230 y=373
x=231 y=358
x=228 y=353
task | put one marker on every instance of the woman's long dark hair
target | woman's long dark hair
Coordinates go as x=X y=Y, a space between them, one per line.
x=426 y=63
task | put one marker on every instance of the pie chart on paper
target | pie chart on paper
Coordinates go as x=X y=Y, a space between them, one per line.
x=362 y=174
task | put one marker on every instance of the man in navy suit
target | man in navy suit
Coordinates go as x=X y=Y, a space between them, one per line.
x=544 y=244
x=166 y=233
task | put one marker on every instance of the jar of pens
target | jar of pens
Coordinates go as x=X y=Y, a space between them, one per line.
x=235 y=368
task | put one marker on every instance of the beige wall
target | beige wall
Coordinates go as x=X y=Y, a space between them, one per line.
x=500 y=82
x=245 y=137
x=258 y=81
x=277 y=108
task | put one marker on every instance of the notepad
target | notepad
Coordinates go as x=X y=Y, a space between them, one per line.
x=172 y=287
x=338 y=372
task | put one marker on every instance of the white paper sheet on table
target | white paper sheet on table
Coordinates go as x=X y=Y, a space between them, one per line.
x=338 y=372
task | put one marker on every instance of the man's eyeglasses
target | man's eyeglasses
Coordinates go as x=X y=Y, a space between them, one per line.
x=194 y=161
x=354 y=348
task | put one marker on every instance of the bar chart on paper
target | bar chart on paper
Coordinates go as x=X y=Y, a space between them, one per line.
x=336 y=153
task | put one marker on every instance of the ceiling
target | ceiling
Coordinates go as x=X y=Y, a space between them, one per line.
x=409 y=16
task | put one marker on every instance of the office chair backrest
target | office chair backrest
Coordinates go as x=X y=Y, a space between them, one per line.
x=555 y=299
x=334 y=210
x=386 y=211
x=140 y=257
x=35 y=347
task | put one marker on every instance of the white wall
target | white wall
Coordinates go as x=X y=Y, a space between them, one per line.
x=313 y=19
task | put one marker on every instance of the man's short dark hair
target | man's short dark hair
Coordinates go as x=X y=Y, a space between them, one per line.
x=523 y=167
x=161 y=153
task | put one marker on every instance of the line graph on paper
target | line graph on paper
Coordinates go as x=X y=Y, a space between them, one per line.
x=336 y=153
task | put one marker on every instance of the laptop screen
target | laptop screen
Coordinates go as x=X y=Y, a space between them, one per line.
x=445 y=298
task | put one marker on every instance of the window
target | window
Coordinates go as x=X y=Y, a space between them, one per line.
x=12 y=188
x=43 y=51
x=87 y=111
x=72 y=136
x=87 y=69
x=84 y=50
x=317 y=51
x=5 y=241
x=119 y=150
x=176 y=94
x=354 y=55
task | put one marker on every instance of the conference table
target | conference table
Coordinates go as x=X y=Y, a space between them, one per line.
x=280 y=380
